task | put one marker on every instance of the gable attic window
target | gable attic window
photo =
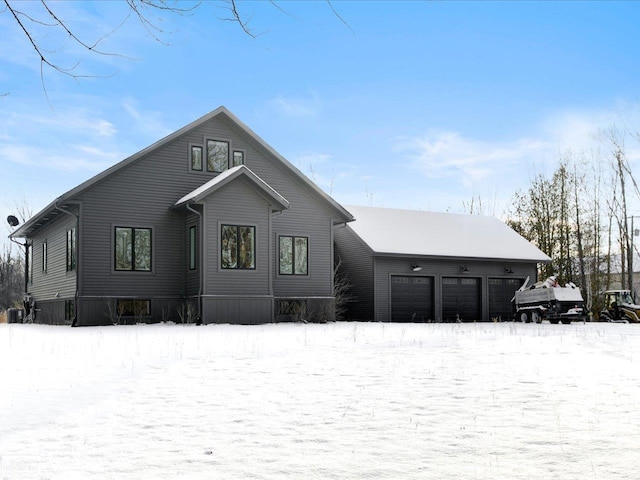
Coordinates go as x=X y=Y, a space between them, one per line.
x=132 y=249
x=217 y=156
x=195 y=154
x=238 y=158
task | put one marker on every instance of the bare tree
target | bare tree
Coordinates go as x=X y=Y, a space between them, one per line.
x=42 y=22
x=11 y=277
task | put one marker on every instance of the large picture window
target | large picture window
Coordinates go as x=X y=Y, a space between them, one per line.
x=294 y=255
x=71 y=249
x=132 y=249
x=237 y=247
x=217 y=156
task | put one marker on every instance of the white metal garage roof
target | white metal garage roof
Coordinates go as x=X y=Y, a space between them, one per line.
x=413 y=232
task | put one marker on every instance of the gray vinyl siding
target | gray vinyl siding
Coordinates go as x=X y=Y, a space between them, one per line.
x=193 y=276
x=51 y=312
x=307 y=216
x=237 y=204
x=142 y=193
x=245 y=309
x=439 y=268
x=56 y=282
x=357 y=262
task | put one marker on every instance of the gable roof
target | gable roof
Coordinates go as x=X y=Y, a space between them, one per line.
x=51 y=210
x=228 y=176
x=419 y=233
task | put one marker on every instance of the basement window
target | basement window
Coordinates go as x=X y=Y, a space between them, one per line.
x=133 y=308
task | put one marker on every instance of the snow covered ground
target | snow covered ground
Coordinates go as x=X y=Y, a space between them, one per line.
x=343 y=400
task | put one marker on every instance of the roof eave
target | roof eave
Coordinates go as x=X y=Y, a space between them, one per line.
x=39 y=219
x=274 y=198
x=458 y=257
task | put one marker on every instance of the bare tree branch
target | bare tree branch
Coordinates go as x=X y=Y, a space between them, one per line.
x=339 y=17
x=143 y=10
x=235 y=17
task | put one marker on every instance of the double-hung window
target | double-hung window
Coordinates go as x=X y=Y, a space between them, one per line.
x=132 y=249
x=294 y=255
x=238 y=247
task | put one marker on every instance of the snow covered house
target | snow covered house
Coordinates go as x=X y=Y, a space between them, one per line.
x=209 y=222
x=424 y=266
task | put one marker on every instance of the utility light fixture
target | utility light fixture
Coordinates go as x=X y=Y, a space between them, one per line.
x=415 y=268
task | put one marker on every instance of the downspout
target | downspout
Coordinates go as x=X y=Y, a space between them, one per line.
x=272 y=256
x=26 y=262
x=200 y=259
x=74 y=322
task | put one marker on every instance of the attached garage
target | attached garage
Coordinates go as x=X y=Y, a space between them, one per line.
x=417 y=266
x=461 y=299
x=411 y=298
x=501 y=291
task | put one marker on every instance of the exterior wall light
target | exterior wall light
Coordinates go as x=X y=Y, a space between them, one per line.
x=415 y=268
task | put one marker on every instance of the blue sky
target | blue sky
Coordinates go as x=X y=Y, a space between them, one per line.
x=421 y=105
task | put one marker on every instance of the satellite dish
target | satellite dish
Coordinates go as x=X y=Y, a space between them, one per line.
x=13 y=221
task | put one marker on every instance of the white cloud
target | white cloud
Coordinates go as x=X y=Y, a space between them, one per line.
x=79 y=121
x=588 y=131
x=313 y=158
x=294 y=107
x=446 y=154
x=148 y=122
x=449 y=154
x=72 y=159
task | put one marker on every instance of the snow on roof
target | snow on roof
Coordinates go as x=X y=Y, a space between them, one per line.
x=412 y=232
x=228 y=175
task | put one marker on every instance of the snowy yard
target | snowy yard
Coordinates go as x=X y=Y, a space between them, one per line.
x=343 y=400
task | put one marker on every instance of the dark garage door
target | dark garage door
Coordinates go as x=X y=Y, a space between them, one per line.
x=411 y=299
x=461 y=299
x=501 y=291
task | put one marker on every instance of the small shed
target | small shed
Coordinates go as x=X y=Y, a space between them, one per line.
x=419 y=266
